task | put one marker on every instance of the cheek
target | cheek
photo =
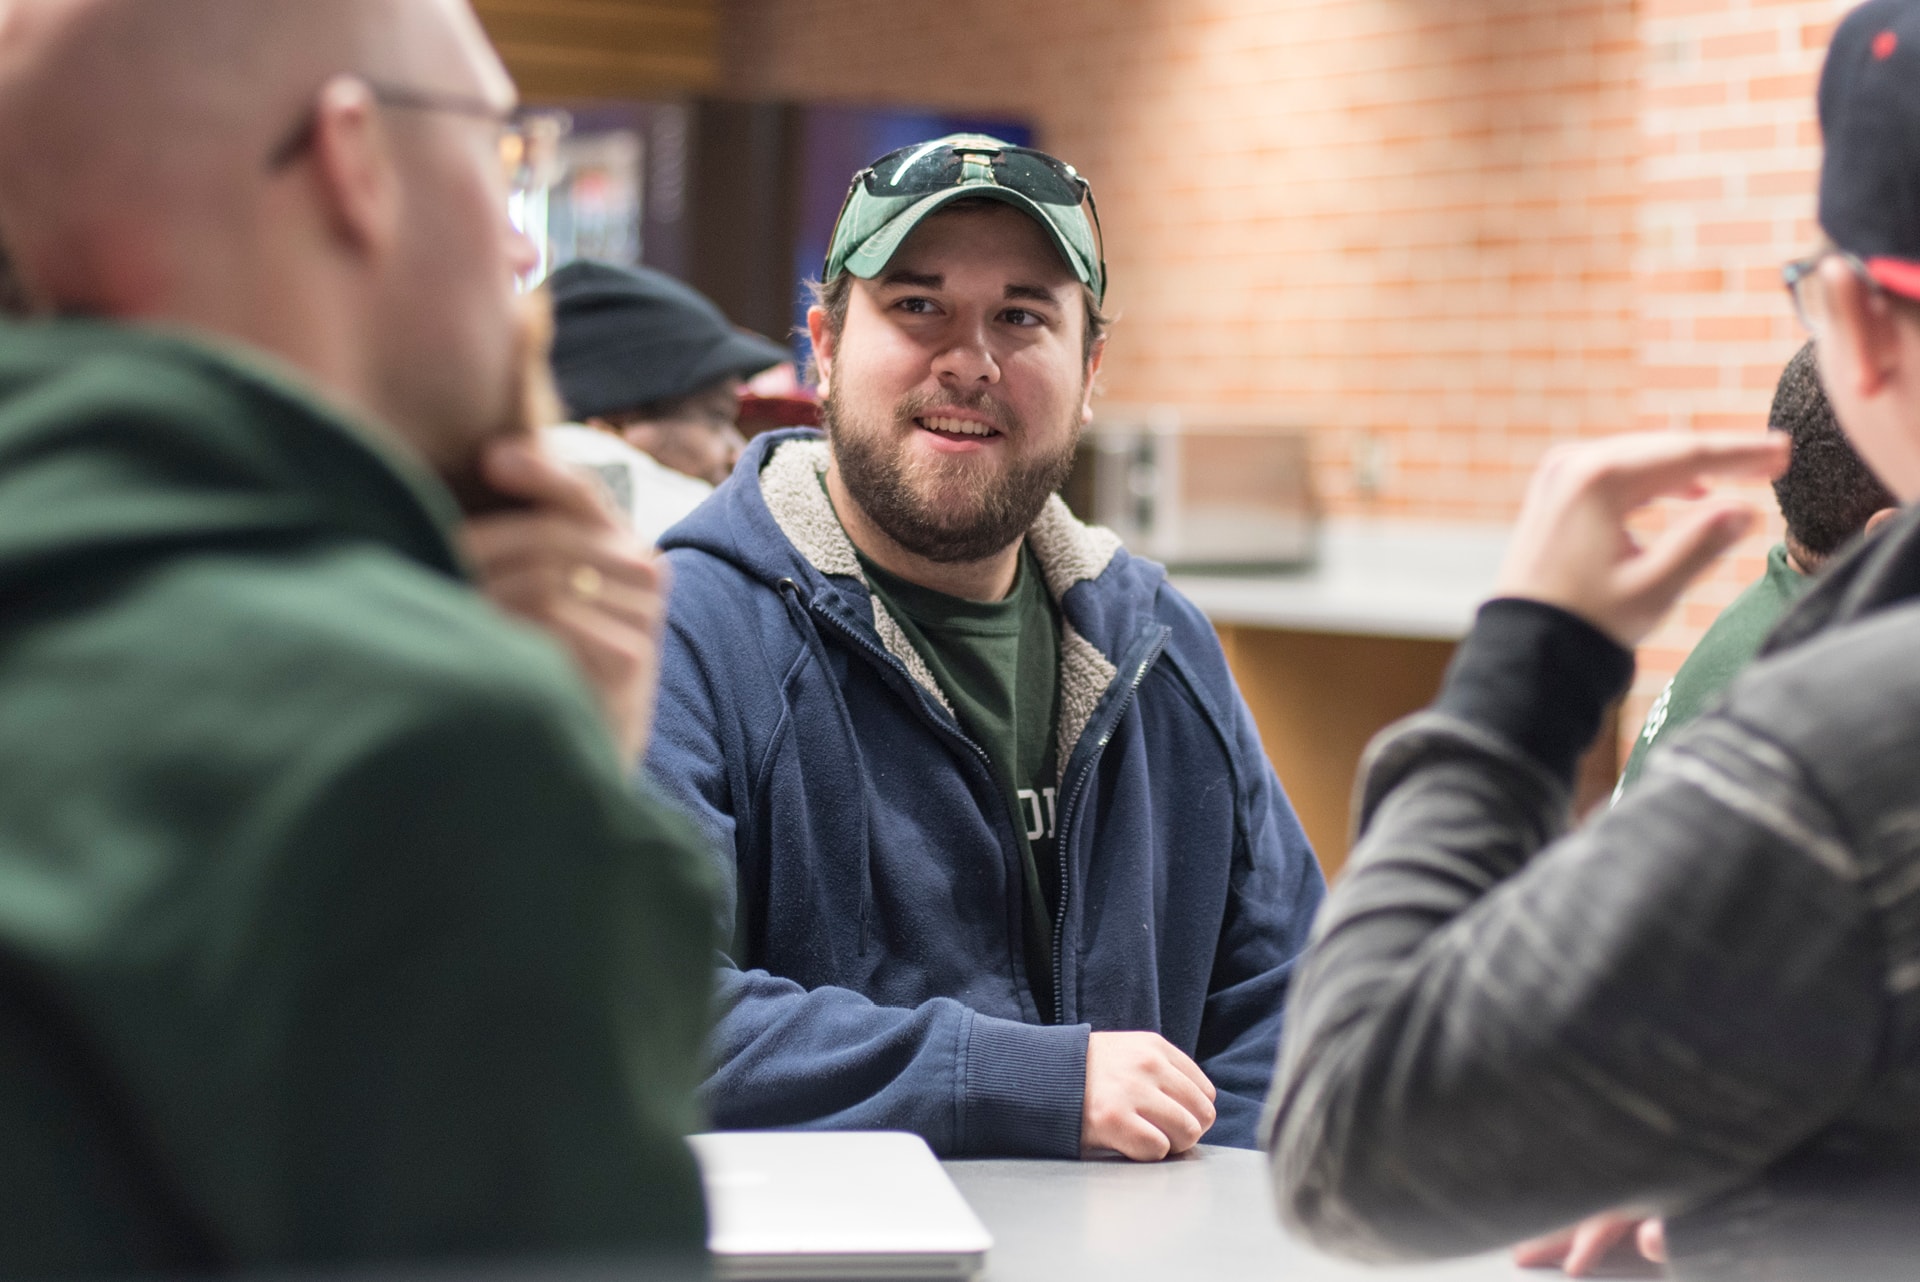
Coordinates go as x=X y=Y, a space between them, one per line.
x=881 y=365
x=1050 y=389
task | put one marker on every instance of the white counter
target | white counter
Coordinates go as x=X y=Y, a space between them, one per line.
x=1393 y=578
x=1207 y=1216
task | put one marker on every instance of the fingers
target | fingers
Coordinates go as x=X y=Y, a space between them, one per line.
x=1545 y=1252
x=1193 y=1099
x=497 y=545
x=588 y=583
x=1594 y=1239
x=543 y=591
x=520 y=469
x=1663 y=570
x=1652 y=1240
x=1180 y=1060
x=1581 y=1249
x=1639 y=468
x=1139 y=1140
x=1176 y=1121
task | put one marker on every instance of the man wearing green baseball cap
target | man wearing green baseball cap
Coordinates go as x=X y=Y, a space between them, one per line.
x=1008 y=865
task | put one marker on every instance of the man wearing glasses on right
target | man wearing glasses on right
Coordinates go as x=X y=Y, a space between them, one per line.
x=1705 y=1005
x=1009 y=867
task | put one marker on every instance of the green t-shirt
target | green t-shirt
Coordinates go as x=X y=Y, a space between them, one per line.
x=999 y=664
x=1728 y=646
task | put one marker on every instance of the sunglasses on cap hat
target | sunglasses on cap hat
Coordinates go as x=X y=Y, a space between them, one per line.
x=888 y=198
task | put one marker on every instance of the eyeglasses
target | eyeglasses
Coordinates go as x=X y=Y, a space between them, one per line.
x=936 y=166
x=1802 y=276
x=529 y=140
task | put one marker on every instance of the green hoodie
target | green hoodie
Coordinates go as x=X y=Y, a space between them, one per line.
x=330 y=929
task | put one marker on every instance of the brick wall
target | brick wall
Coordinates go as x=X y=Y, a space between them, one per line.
x=1412 y=237
x=1442 y=235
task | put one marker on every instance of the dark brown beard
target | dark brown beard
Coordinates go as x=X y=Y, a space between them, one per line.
x=533 y=403
x=984 y=522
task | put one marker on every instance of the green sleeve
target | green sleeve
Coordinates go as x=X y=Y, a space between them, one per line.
x=481 y=968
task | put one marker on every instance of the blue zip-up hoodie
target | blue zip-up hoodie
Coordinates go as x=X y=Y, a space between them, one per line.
x=876 y=977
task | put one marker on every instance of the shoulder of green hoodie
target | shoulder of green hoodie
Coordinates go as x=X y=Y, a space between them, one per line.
x=1728 y=645
x=335 y=866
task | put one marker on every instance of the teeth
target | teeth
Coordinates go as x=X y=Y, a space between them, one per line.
x=957 y=426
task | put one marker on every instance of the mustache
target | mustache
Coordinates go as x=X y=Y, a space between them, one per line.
x=918 y=404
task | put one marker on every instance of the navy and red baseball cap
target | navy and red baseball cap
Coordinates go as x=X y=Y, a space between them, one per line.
x=1870 y=117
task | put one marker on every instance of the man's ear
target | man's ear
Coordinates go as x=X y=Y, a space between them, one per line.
x=1879 y=519
x=1863 y=341
x=354 y=167
x=1094 y=358
x=822 y=340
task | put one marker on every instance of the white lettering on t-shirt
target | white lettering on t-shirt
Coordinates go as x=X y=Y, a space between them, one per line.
x=1040 y=810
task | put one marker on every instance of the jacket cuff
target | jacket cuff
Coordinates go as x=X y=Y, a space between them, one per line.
x=1024 y=1088
x=1539 y=677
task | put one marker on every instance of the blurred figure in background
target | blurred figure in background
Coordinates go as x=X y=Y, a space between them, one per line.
x=1829 y=499
x=643 y=359
x=331 y=931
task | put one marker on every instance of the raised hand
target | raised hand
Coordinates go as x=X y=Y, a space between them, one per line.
x=1572 y=548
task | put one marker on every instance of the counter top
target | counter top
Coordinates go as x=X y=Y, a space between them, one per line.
x=1394 y=578
x=1208 y=1214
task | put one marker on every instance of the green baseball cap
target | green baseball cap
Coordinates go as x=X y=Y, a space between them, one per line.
x=897 y=192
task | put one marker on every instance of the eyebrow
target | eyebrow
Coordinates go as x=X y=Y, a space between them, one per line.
x=1032 y=293
x=933 y=280
x=917 y=280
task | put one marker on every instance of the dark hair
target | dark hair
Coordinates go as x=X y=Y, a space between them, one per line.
x=1826 y=493
x=831 y=297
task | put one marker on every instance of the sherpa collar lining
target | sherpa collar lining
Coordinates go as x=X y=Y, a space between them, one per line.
x=1068 y=551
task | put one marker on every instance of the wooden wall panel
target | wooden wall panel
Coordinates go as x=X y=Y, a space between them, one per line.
x=1318 y=698
x=605 y=48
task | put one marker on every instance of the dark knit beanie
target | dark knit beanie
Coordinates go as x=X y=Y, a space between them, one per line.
x=628 y=337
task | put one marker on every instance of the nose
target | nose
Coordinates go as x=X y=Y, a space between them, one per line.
x=967 y=360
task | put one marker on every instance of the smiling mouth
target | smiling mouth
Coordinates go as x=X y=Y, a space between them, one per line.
x=941 y=425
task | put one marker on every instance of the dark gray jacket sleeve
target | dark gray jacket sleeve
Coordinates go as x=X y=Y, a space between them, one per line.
x=1500 y=1029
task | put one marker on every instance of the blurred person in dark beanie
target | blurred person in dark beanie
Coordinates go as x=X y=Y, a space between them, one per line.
x=1009 y=867
x=650 y=360
x=1700 y=1005
x=330 y=929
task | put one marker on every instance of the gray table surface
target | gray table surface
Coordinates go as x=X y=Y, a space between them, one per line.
x=1206 y=1216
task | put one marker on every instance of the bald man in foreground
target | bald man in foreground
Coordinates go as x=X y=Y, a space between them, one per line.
x=330 y=931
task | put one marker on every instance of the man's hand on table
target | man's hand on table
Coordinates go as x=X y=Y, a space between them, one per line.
x=1145 y=1098
x=1571 y=547
x=1582 y=1248
x=564 y=563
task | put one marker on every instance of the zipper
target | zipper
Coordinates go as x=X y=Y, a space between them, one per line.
x=1068 y=802
x=919 y=697
x=1071 y=800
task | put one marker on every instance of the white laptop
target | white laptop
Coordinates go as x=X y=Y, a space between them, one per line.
x=792 y=1205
